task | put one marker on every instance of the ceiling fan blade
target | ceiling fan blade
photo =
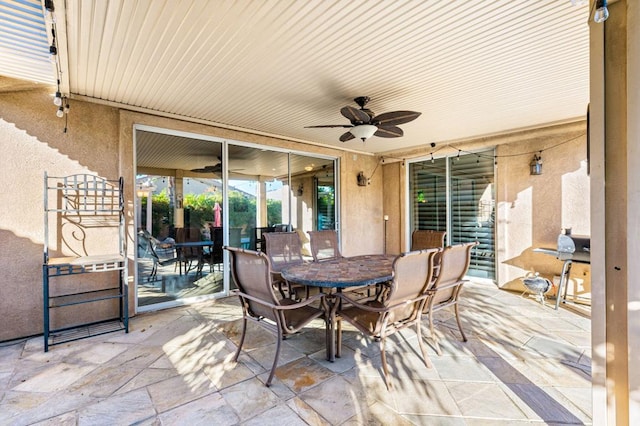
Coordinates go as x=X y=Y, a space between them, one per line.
x=355 y=115
x=388 y=132
x=346 y=137
x=346 y=126
x=395 y=117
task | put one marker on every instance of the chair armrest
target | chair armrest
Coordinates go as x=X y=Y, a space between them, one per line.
x=456 y=284
x=301 y=304
x=282 y=307
x=383 y=309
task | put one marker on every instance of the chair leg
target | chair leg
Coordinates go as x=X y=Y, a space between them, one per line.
x=275 y=359
x=433 y=334
x=464 y=338
x=338 y=337
x=425 y=357
x=154 y=271
x=244 y=332
x=385 y=369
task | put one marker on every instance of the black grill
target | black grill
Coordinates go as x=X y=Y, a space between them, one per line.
x=570 y=248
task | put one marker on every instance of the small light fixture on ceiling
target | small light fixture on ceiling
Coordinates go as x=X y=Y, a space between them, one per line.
x=363 y=131
x=602 y=13
x=536 y=164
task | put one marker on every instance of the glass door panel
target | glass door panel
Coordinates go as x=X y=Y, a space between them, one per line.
x=473 y=209
x=180 y=212
x=456 y=194
x=428 y=189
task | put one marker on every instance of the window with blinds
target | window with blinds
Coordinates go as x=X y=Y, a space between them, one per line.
x=456 y=194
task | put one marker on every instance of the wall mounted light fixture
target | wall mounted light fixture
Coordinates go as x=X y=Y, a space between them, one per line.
x=602 y=13
x=362 y=179
x=536 y=165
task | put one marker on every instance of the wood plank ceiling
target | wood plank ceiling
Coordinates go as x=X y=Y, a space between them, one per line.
x=471 y=68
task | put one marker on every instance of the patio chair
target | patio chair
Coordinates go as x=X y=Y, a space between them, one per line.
x=422 y=239
x=445 y=290
x=149 y=247
x=213 y=255
x=251 y=271
x=284 y=249
x=190 y=257
x=324 y=245
x=399 y=307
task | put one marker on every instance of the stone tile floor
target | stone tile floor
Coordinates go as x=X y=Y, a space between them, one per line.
x=524 y=363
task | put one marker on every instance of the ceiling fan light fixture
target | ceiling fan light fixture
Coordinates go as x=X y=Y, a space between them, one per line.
x=363 y=131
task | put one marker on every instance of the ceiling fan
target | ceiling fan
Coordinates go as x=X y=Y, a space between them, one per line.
x=208 y=165
x=364 y=123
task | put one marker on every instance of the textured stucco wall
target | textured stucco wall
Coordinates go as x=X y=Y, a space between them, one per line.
x=32 y=141
x=532 y=210
x=100 y=141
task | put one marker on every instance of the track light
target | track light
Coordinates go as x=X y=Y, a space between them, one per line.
x=602 y=13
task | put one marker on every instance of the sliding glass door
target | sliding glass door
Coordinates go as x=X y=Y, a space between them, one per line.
x=456 y=194
x=196 y=194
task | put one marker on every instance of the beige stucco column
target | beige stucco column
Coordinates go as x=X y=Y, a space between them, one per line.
x=615 y=214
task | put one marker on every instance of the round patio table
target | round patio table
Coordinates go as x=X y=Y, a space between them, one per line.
x=340 y=274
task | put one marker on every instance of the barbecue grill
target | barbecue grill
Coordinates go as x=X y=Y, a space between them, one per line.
x=570 y=248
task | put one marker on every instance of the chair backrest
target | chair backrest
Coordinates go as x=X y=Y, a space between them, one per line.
x=422 y=239
x=454 y=264
x=324 y=245
x=146 y=246
x=251 y=272
x=187 y=235
x=216 y=248
x=412 y=273
x=283 y=249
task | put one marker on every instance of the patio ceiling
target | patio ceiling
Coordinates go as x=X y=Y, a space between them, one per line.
x=273 y=67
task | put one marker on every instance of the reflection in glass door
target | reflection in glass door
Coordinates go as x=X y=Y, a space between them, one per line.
x=179 y=190
x=190 y=204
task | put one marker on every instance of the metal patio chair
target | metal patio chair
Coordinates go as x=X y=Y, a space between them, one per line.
x=324 y=245
x=251 y=271
x=446 y=288
x=399 y=307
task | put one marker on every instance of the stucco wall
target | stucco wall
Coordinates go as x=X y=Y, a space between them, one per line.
x=100 y=141
x=32 y=141
x=533 y=209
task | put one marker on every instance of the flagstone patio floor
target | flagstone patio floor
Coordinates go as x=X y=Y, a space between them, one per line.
x=524 y=363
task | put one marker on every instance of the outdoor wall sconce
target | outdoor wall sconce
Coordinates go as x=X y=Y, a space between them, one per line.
x=602 y=13
x=300 y=190
x=536 y=165
x=362 y=180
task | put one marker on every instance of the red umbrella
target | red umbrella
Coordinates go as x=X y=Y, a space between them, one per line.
x=217 y=215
